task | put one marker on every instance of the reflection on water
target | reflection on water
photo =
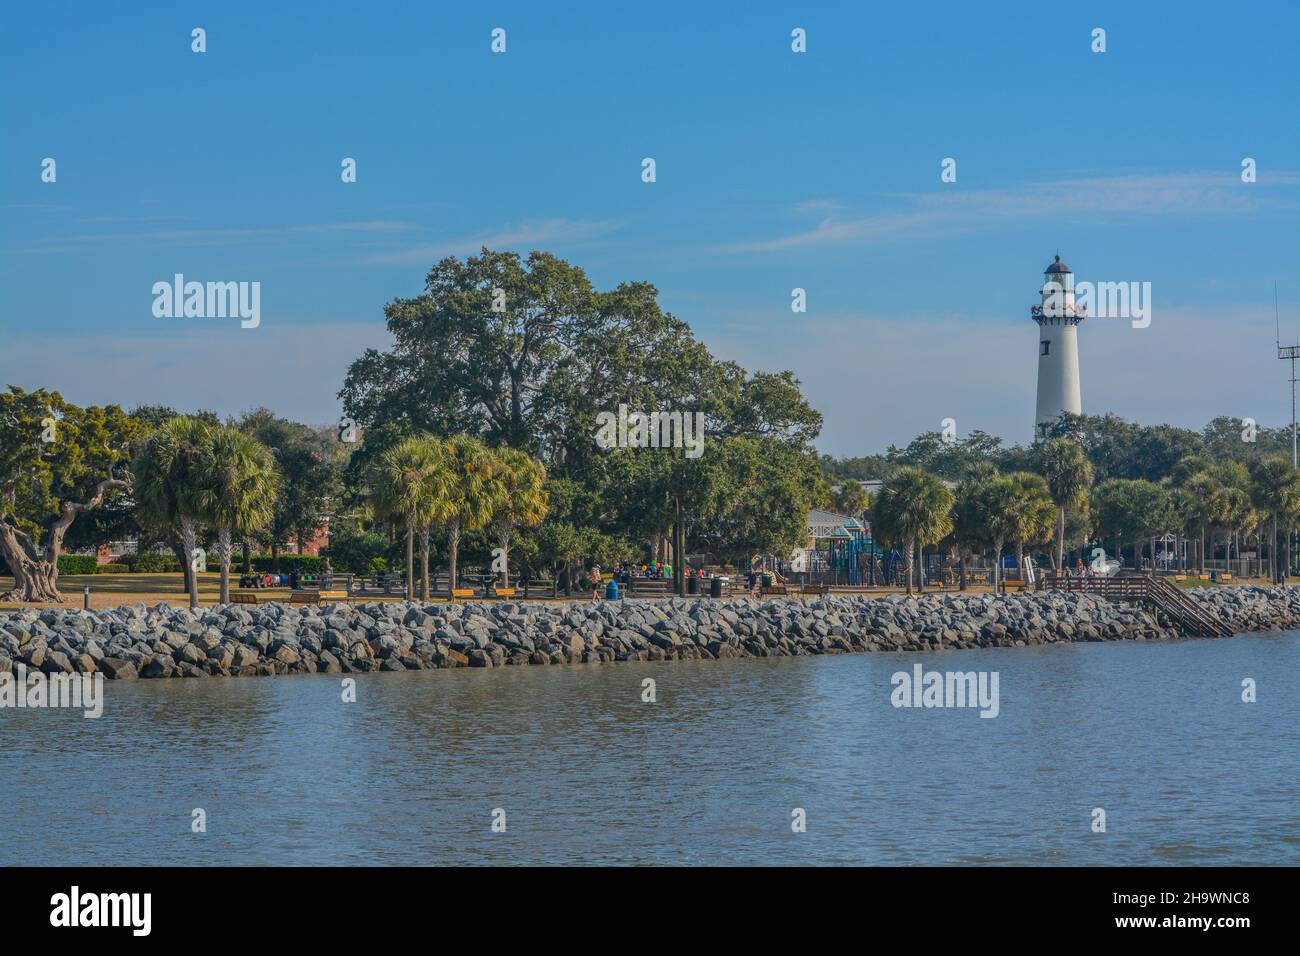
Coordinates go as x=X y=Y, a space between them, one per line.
x=1155 y=734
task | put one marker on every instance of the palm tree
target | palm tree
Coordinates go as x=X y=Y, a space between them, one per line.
x=1200 y=500
x=1068 y=472
x=914 y=507
x=1001 y=499
x=519 y=499
x=1039 y=515
x=471 y=493
x=406 y=485
x=1275 y=488
x=240 y=485
x=169 y=480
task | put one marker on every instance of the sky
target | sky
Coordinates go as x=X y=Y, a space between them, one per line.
x=775 y=170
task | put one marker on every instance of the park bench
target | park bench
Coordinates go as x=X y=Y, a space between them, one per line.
x=242 y=597
x=775 y=589
x=818 y=590
x=462 y=593
x=317 y=597
x=504 y=592
x=650 y=586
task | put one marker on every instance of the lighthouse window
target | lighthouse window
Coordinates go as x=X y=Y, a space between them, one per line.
x=1046 y=347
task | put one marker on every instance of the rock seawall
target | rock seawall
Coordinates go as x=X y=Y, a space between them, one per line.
x=270 y=639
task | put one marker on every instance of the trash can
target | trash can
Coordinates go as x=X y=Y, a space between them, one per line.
x=611 y=591
x=692 y=585
x=715 y=587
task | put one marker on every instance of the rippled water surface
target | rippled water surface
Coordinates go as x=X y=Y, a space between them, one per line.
x=1156 y=734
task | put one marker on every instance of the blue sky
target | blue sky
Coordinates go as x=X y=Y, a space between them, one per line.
x=775 y=171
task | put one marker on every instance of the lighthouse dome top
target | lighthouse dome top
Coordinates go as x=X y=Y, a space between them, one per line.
x=1057 y=267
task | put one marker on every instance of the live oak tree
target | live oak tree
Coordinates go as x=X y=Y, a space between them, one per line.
x=311 y=465
x=525 y=353
x=57 y=462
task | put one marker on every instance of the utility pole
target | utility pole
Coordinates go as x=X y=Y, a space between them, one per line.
x=1287 y=352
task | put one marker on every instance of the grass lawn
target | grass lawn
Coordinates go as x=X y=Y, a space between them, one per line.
x=114 y=590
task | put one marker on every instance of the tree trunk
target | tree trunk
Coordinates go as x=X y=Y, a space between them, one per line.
x=424 y=564
x=503 y=539
x=679 y=547
x=920 y=567
x=36 y=572
x=961 y=571
x=997 y=566
x=410 y=560
x=225 y=548
x=189 y=535
x=453 y=550
x=1200 y=554
x=908 y=545
x=1060 y=538
x=1272 y=549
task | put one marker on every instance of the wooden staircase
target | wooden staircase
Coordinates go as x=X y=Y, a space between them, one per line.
x=1188 y=614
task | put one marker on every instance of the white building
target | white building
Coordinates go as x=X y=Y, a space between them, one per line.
x=1058 y=347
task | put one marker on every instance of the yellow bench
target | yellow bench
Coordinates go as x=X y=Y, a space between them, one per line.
x=1225 y=577
x=504 y=592
x=316 y=597
x=243 y=597
x=462 y=592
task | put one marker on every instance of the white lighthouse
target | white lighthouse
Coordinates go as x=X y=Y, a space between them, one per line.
x=1058 y=347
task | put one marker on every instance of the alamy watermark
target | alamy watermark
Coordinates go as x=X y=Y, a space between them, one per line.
x=927 y=689
x=74 y=908
x=651 y=430
x=1105 y=300
x=37 y=689
x=211 y=300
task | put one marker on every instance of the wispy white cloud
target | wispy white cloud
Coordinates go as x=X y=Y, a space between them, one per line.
x=529 y=232
x=956 y=209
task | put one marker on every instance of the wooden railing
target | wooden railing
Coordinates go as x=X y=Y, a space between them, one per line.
x=1188 y=613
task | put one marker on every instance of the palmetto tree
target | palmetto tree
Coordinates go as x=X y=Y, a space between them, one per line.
x=519 y=499
x=170 y=471
x=471 y=493
x=1068 y=473
x=913 y=507
x=408 y=483
x=1275 y=488
x=1200 y=508
x=1038 y=514
x=1000 y=499
x=239 y=487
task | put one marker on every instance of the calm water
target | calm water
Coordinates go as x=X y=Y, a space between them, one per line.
x=410 y=773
